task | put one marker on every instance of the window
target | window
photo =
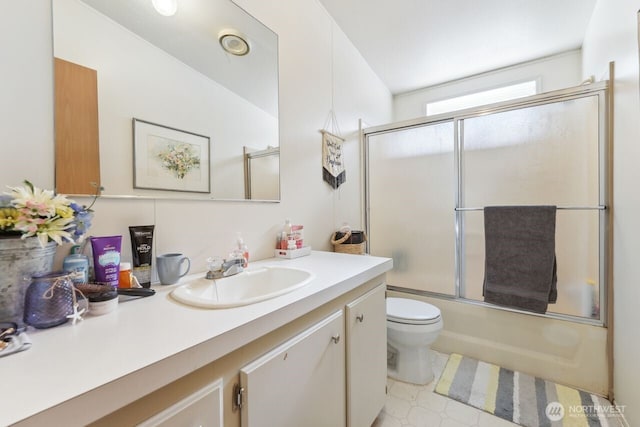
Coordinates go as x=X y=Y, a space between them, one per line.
x=484 y=97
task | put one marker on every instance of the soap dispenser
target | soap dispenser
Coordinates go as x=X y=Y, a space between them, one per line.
x=243 y=250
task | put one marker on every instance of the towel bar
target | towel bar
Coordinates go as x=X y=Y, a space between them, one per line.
x=564 y=208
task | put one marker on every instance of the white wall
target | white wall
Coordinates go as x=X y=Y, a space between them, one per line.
x=553 y=72
x=26 y=97
x=198 y=228
x=613 y=36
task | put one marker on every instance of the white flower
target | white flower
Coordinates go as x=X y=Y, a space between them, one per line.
x=43 y=214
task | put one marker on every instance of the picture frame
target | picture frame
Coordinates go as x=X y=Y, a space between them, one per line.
x=165 y=158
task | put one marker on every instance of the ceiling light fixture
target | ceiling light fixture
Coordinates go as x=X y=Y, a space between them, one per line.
x=234 y=42
x=165 y=7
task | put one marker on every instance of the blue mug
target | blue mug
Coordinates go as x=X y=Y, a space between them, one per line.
x=169 y=267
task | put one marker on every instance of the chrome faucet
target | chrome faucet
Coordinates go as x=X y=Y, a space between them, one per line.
x=224 y=268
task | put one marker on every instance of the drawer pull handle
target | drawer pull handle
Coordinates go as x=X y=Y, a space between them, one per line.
x=360 y=318
x=335 y=338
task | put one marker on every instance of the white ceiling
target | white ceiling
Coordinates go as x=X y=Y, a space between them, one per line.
x=412 y=44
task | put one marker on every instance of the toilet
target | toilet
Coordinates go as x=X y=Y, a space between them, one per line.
x=412 y=326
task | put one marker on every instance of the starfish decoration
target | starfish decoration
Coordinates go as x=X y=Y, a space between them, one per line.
x=76 y=315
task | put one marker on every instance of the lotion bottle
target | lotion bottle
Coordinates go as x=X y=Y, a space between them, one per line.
x=287 y=231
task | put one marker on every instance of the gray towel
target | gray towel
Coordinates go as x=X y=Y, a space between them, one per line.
x=520 y=262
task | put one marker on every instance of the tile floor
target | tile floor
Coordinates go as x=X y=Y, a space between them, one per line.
x=411 y=405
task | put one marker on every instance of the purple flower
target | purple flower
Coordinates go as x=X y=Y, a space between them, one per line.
x=81 y=223
x=76 y=207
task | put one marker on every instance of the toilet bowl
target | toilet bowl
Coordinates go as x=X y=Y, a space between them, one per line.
x=412 y=326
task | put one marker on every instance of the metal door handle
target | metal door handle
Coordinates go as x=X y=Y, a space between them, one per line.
x=335 y=338
x=360 y=318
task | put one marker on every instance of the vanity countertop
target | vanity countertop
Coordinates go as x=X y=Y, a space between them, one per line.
x=104 y=362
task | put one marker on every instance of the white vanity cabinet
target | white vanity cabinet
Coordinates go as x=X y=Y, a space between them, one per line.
x=299 y=383
x=332 y=374
x=366 y=333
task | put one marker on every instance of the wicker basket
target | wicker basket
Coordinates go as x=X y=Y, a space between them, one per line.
x=342 y=242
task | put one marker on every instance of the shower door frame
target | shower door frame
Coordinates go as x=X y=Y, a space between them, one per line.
x=603 y=92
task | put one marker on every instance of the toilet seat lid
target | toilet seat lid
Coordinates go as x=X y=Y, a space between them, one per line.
x=404 y=310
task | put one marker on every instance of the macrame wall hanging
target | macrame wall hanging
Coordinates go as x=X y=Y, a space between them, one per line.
x=332 y=158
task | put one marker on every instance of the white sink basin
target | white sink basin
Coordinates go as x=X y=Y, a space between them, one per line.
x=248 y=287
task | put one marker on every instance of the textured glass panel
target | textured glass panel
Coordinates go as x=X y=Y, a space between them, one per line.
x=576 y=255
x=411 y=198
x=543 y=155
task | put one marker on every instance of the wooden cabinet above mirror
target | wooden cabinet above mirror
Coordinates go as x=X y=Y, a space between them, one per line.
x=76 y=120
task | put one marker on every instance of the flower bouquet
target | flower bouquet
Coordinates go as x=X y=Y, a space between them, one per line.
x=30 y=211
x=33 y=222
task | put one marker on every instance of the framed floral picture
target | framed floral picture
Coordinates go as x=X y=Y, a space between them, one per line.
x=165 y=158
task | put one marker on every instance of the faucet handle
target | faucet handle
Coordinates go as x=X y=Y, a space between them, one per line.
x=214 y=263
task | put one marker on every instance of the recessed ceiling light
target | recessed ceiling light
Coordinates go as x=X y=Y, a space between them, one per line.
x=165 y=7
x=234 y=42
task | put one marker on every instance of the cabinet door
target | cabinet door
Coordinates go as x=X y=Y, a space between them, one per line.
x=77 y=146
x=301 y=382
x=201 y=409
x=366 y=328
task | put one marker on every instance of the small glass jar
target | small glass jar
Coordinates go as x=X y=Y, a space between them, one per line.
x=49 y=300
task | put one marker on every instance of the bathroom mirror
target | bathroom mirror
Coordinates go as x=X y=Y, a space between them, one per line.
x=172 y=72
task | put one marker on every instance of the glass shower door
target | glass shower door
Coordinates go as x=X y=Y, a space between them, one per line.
x=540 y=155
x=428 y=180
x=411 y=180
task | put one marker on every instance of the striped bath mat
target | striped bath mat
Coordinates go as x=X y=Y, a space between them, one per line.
x=521 y=398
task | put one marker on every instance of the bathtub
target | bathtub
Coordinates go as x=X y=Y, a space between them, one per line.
x=566 y=352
